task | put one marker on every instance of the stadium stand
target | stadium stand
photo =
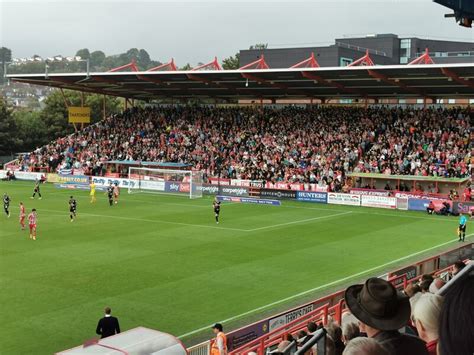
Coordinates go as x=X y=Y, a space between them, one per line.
x=293 y=144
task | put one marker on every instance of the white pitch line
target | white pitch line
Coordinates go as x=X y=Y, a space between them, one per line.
x=399 y=215
x=296 y=222
x=347 y=278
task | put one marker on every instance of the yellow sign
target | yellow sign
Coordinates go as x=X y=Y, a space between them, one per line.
x=52 y=177
x=79 y=114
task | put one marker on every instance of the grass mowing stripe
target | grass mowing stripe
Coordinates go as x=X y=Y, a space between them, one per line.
x=347 y=278
x=297 y=222
x=149 y=220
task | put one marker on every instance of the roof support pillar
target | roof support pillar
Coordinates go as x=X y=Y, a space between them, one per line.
x=67 y=103
x=103 y=108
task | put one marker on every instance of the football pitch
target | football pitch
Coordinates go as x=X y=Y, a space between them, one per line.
x=161 y=261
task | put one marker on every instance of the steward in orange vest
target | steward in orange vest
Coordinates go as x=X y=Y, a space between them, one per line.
x=219 y=344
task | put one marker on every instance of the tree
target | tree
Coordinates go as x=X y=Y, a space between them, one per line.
x=143 y=59
x=231 y=62
x=83 y=53
x=31 y=130
x=186 y=67
x=96 y=103
x=259 y=46
x=97 y=59
x=5 y=56
x=54 y=114
x=9 y=140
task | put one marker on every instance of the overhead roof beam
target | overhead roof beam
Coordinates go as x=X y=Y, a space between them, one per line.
x=132 y=65
x=365 y=60
x=456 y=78
x=258 y=64
x=423 y=59
x=310 y=62
x=314 y=77
x=170 y=66
x=387 y=80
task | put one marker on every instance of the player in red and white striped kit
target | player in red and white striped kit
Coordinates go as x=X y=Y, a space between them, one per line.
x=32 y=223
x=22 y=216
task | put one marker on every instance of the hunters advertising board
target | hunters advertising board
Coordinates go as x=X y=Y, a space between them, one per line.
x=310 y=196
x=343 y=199
x=378 y=201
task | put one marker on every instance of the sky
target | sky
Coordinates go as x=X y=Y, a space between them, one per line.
x=196 y=31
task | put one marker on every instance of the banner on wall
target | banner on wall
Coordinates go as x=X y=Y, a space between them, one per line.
x=417 y=204
x=246 y=334
x=279 y=194
x=343 y=199
x=52 y=177
x=73 y=179
x=77 y=114
x=255 y=201
x=310 y=196
x=410 y=273
x=233 y=190
x=288 y=317
x=208 y=189
x=378 y=201
x=463 y=207
x=371 y=192
x=103 y=182
x=26 y=175
x=420 y=196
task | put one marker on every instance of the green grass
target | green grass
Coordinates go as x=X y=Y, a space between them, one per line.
x=162 y=262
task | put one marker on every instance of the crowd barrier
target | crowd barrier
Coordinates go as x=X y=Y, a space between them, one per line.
x=270 y=331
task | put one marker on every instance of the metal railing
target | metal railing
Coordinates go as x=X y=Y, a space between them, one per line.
x=318 y=339
x=447 y=54
x=200 y=349
x=361 y=49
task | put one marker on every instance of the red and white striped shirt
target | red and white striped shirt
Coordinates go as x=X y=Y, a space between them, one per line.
x=32 y=218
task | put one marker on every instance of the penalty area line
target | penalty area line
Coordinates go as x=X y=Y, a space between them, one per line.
x=347 y=278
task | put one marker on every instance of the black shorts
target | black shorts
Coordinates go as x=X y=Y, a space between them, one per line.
x=6 y=208
x=462 y=228
x=216 y=211
x=72 y=210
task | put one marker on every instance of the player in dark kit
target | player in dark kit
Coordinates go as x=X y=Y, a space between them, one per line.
x=72 y=208
x=36 y=190
x=6 y=204
x=110 y=194
x=217 y=209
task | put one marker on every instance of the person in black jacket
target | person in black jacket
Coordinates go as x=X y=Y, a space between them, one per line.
x=108 y=325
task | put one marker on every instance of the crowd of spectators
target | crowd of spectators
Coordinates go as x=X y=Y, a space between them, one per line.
x=291 y=144
x=433 y=316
